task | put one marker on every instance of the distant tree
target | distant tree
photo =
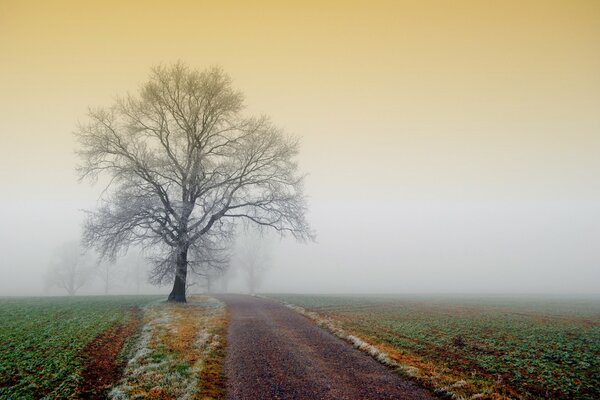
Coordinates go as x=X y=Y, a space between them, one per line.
x=225 y=278
x=253 y=260
x=183 y=164
x=69 y=269
x=108 y=271
x=209 y=282
x=214 y=265
x=213 y=277
x=136 y=269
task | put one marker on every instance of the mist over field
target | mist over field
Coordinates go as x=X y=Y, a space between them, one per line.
x=445 y=152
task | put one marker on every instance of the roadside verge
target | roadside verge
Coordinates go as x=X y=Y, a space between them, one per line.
x=178 y=354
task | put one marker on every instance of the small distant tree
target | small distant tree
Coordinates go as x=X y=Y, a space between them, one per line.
x=108 y=271
x=212 y=278
x=225 y=278
x=253 y=260
x=136 y=269
x=183 y=163
x=69 y=269
x=202 y=283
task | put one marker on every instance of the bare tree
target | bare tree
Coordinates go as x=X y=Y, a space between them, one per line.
x=213 y=277
x=253 y=260
x=136 y=269
x=69 y=269
x=108 y=272
x=204 y=281
x=225 y=278
x=183 y=164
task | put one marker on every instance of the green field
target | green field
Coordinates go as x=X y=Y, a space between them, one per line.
x=41 y=340
x=499 y=346
x=494 y=347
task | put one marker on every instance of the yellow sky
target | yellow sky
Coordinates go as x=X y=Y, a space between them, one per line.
x=338 y=73
x=419 y=101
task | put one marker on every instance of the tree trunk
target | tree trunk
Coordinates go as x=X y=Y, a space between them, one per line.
x=251 y=280
x=178 y=293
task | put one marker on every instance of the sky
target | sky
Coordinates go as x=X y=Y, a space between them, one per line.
x=450 y=146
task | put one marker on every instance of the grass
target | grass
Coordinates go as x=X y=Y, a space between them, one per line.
x=179 y=353
x=484 y=347
x=46 y=345
x=212 y=377
x=41 y=341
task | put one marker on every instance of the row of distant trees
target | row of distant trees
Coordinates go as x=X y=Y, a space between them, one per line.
x=73 y=267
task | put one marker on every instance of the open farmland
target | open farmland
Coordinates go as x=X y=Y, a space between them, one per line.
x=43 y=341
x=121 y=347
x=491 y=347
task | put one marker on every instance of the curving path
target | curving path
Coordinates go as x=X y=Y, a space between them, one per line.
x=276 y=353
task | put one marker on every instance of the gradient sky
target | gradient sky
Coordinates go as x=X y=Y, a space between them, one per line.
x=451 y=145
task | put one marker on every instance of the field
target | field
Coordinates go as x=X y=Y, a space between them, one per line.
x=59 y=348
x=134 y=347
x=484 y=347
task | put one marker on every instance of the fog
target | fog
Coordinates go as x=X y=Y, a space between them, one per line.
x=455 y=159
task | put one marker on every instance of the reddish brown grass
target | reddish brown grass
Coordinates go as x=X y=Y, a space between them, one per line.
x=101 y=369
x=212 y=376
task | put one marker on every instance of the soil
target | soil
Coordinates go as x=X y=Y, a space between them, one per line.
x=276 y=353
x=102 y=370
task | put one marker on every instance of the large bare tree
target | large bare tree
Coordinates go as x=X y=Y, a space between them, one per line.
x=184 y=164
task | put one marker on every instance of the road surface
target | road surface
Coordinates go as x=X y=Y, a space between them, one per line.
x=276 y=353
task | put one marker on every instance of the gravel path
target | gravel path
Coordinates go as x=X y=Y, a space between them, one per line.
x=276 y=353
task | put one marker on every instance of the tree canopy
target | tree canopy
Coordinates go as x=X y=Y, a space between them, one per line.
x=184 y=164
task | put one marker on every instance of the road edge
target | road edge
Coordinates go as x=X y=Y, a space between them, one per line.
x=406 y=371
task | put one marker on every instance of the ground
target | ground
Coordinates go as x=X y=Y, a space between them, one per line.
x=177 y=354
x=276 y=353
x=111 y=346
x=47 y=344
x=297 y=347
x=489 y=347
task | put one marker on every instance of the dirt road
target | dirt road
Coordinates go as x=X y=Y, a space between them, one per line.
x=276 y=353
